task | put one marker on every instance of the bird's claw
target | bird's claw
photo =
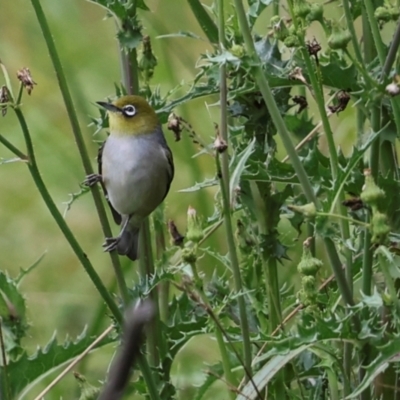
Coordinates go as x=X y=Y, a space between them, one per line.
x=91 y=180
x=111 y=244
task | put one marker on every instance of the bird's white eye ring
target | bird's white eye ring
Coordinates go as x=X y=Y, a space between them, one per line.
x=129 y=110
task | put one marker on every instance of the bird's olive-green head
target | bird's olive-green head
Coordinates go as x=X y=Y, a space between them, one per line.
x=130 y=115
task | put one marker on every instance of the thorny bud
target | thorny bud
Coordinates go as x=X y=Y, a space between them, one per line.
x=301 y=101
x=189 y=255
x=148 y=61
x=88 y=392
x=297 y=73
x=380 y=227
x=316 y=13
x=4 y=98
x=194 y=229
x=176 y=238
x=386 y=14
x=219 y=143
x=308 y=210
x=308 y=264
x=238 y=51
x=174 y=125
x=280 y=30
x=291 y=41
x=339 y=38
x=371 y=193
x=301 y=8
x=24 y=75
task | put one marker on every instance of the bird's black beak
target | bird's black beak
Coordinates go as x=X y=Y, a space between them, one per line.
x=108 y=106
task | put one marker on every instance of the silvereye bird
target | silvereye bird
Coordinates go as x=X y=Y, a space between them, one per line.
x=135 y=169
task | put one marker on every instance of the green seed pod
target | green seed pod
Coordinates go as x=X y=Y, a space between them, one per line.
x=291 y=41
x=316 y=13
x=238 y=51
x=281 y=32
x=301 y=9
x=371 y=193
x=339 y=38
x=380 y=227
x=308 y=283
x=382 y=14
x=189 y=255
x=194 y=230
x=309 y=265
x=308 y=210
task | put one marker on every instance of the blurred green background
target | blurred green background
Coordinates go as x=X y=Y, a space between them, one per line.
x=59 y=294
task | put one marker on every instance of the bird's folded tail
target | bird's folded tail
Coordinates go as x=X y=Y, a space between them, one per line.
x=128 y=244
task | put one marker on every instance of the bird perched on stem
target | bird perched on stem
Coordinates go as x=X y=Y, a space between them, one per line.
x=135 y=169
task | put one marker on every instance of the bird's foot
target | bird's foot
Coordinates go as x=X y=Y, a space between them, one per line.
x=111 y=244
x=91 y=180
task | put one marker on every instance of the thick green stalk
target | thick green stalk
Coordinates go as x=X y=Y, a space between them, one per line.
x=376 y=35
x=33 y=169
x=392 y=54
x=79 y=140
x=244 y=325
x=350 y=26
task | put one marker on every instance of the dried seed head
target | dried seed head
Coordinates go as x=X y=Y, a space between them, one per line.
x=24 y=75
x=4 y=98
x=297 y=73
x=176 y=238
x=219 y=143
x=174 y=125
x=301 y=101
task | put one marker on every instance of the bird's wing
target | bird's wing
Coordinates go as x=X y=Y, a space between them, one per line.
x=115 y=214
x=171 y=169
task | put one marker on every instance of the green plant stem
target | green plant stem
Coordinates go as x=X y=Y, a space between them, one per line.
x=392 y=53
x=148 y=377
x=338 y=216
x=155 y=347
x=13 y=149
x=79 y=141
x=244 y=325
x=33 y=169
x=376 y=35
x=350 y=26
x=275 y=7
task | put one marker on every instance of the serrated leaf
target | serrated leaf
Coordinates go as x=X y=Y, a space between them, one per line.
x=239 y=169
x=28 y=370
x=201 y=185
x=185 y=34
x=388 y=353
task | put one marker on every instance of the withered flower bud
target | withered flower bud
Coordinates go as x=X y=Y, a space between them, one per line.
x=176 y=238
x=297 y=73
x=24 y=75
x=219 y=143
x=4 y=98
x=174 y=125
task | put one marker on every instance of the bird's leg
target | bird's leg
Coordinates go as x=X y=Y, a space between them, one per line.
x=92 y=179
x=111 y=244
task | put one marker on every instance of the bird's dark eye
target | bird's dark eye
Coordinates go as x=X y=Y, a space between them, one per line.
x=129 y=110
